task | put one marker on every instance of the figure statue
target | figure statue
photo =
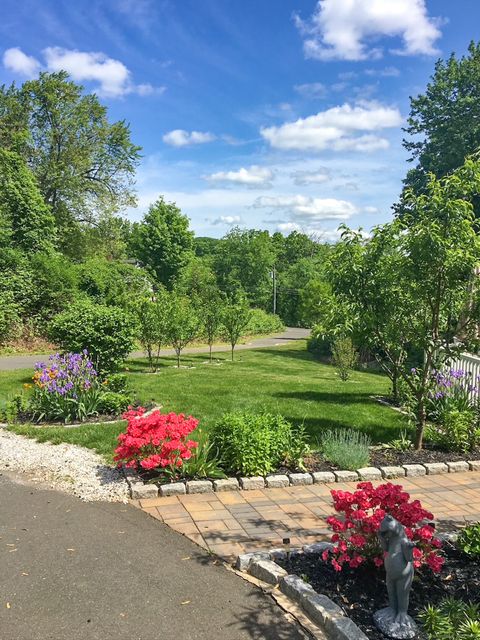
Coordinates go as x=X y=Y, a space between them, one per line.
x=394 y=621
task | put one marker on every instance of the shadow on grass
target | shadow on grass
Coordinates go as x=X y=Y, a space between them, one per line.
x=286 y=353
x=328 y=397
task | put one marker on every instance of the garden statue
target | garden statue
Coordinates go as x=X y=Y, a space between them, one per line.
x=394 y=621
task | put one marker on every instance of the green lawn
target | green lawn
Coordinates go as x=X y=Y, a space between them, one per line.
x=285 y=379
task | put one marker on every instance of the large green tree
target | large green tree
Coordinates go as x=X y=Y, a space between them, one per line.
x=444 y=122
x=84 y=164
x=26 y=222
x=244 y=259
x=163 y=242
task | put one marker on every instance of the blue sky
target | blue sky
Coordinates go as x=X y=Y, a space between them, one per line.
x=273 y=114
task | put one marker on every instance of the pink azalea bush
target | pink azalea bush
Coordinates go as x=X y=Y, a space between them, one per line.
x=355 y=533
x=156 y=441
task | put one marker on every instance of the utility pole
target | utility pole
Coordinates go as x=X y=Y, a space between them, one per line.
x=274 y=276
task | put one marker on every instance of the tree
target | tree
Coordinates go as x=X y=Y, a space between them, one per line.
x=163 y=241
x=183 y=323
x=425 y=261
x=26 y=221
x=444 y=122
x=84 y=164
x=235 y=318
x=153 y=316
x=211 y=309
x=244 y=259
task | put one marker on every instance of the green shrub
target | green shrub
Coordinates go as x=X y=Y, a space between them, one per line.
x=318 y=344
x=469 y=540
x=106 y=332
x=346 y=448
x=113 y=403
x=262 y=322
x=255 y=444
x=452 y=619
x=12 y=409
x=458 y=431
x=117 y=382
x=344 y=357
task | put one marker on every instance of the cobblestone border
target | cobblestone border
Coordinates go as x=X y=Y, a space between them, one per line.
x=139 y=490
x=320 y=609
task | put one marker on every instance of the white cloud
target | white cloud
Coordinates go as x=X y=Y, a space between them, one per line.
x=254 y=177
x=311 y=90
x=15 y=60
x=311 y=177
x=231 y=221
x=385 y=72
x=335 y=129
x=339 y=29
x=308 y=209
x=182 y=138
x=113 y=77
x=370 y=209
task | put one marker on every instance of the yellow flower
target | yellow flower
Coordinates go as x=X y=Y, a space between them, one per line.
x=27 y=386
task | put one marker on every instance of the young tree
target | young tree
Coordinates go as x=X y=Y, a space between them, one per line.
x=163 y=241
x=235 y=318
x=424 y=264
x=154 y=325
x=211 y=309
x=183 y=323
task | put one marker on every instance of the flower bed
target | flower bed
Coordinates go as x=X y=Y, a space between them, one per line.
x=360 y=592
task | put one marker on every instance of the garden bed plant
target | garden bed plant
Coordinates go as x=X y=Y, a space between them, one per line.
x=67 y=389
x=445 y=596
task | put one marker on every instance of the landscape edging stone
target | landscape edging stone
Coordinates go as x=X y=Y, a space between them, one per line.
x=295 y=479
x=321 y=610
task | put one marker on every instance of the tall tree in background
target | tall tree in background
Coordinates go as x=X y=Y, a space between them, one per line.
x=163 y=241
x=84 y=165
x=244 y=259
x=26 y=222
x=444 y=122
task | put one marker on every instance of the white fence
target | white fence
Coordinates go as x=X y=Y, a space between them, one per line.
x=471 y=364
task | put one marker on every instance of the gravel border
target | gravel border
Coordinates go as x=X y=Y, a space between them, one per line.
x=67 y=467
x=138 y=489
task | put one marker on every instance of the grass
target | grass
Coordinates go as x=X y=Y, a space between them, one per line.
x=285 y=380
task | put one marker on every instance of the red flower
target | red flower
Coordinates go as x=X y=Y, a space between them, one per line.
x=155 y=441
x=361 y=515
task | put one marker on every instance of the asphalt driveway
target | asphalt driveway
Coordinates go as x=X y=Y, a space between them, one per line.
x=71 y=569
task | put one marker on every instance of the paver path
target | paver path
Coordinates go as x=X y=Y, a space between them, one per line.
x=9 y=363
x=102 y=571
x=234 y=522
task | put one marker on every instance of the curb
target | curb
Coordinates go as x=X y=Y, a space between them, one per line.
x=140 y=490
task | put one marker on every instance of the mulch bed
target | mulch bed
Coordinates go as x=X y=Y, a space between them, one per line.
x=360 y=592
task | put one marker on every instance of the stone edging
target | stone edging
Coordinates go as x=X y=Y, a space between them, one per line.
x=139 y=490
x=320 y=609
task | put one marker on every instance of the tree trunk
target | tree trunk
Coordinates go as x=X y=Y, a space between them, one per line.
x=421 y=420
x=233 y=347
x=177 y=351
x=210 y=348
x=395 y=377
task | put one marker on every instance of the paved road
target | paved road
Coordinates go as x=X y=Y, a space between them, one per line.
x=100 y=571
x=8 y=363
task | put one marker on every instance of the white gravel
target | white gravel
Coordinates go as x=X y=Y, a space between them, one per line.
x=66 y=467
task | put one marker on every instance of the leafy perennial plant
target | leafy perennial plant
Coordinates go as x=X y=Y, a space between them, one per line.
x=355 y=534
x=156 y=441
x=66 y=388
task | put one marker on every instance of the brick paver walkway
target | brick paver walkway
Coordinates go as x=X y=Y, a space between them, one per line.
x=234 y=522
